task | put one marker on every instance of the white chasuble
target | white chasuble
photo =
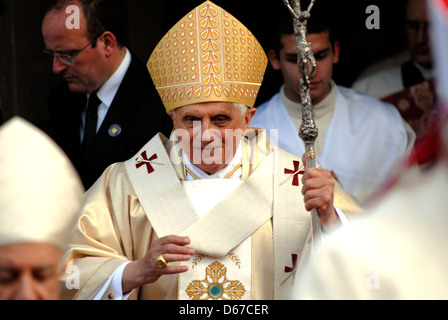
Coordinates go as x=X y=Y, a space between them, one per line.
x=248 y=237
x=222 y=215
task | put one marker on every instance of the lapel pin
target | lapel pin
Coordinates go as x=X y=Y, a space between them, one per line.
x=115 y=130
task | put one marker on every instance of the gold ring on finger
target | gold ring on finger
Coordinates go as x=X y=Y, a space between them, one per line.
x=161 y=262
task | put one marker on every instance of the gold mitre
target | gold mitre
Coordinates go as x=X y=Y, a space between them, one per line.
x=208 y=56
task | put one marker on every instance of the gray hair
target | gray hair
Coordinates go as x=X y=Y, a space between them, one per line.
x=241 y=107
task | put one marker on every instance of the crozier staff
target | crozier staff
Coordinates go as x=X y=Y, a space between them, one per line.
x=308 y=129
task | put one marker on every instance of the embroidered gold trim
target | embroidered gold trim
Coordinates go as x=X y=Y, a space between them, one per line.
x=191 y=173
x=215 y=286
x=232 y=256
x=226 y=177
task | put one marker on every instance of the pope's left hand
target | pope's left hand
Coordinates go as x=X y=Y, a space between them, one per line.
x=318 y=193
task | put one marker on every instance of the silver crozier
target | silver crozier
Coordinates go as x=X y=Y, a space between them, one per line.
x=307 y=66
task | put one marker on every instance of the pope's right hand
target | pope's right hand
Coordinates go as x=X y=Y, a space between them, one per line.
x=146 y=270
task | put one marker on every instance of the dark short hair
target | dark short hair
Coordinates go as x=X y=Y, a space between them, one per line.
x=101 y=16
x=320 y=21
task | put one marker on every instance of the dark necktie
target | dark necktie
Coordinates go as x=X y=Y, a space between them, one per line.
x=91 y=120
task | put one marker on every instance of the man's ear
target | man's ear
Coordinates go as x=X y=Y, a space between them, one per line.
x=274 y=59
x=248 y=117
x=109 y=42
x=337 y=51
x=171 y=115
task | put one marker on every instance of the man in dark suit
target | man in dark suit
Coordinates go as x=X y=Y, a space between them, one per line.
x=83 y=37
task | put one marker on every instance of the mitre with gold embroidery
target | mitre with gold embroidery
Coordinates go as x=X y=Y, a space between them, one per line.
x=208 y=56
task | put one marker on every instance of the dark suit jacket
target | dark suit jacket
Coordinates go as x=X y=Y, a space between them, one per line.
x=137 y=109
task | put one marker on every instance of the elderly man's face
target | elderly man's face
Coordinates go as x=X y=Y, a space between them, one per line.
x=211 y=132
x=30 y=272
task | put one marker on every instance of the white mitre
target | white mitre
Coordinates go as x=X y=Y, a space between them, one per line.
x=40 y=191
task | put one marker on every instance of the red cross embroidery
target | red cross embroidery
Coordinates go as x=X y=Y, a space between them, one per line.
x=294 y=264
x=295 y=172
x=146 y=162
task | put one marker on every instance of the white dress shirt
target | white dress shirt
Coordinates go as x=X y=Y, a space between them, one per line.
x=107 y=93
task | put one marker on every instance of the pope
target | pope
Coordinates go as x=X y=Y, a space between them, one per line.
x=215 y=211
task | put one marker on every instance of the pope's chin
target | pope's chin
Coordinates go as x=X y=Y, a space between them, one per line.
x=209 y=160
